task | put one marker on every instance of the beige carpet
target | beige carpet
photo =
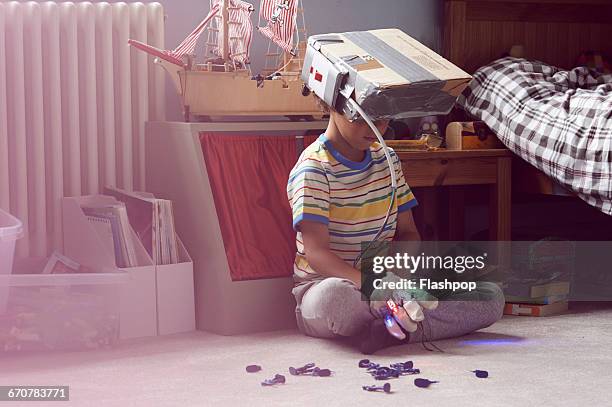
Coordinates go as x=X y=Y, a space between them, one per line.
x=555 y=361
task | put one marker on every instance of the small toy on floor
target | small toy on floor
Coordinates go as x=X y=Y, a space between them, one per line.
x=297 y=371
x=277 y=379
x=481 y=374
x=365 y=363
x=423 y=383
x=253 y=368
x=394 y=370
x=386 y=388
x=403 y=366
x=309 y=369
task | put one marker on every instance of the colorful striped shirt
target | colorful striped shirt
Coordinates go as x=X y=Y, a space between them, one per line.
x=352 y=198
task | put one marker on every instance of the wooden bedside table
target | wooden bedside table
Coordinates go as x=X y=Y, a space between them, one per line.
x=457 y=168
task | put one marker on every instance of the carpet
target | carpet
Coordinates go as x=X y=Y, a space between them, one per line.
x=556 y=361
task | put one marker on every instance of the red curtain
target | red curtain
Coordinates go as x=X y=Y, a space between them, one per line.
x=309 y=139
x=248 y=176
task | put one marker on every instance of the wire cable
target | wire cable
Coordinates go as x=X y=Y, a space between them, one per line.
x=393 y=175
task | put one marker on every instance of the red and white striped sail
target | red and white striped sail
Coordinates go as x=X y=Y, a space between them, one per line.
x=187 y=47
x=281 y=21
x=240 y=30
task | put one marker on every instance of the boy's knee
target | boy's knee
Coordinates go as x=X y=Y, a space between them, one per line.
x=336 y=295
x=494 y=297
x=340 y=304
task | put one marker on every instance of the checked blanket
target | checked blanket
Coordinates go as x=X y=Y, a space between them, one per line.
x=559 y=121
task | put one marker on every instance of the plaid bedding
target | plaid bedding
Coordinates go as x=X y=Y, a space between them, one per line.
x=558 y=121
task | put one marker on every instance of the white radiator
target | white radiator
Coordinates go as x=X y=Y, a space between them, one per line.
x=73 y=103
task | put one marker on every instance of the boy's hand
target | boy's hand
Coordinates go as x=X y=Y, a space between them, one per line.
x=405 y=306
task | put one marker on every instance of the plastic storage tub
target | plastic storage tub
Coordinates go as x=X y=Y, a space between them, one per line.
x=60 y=311
x=11 y=229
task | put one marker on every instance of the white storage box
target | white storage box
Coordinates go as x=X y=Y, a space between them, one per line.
x=60 y=311
x=11 y=229
x=83 y=244
x=175 y=295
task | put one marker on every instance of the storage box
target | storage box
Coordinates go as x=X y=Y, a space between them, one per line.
x=11 y=229
x=392 y=75
x=175 y=295
x=60 y=311
x=156 y=299
x=82 y=243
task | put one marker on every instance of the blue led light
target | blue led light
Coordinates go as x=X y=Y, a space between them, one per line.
x=388 y=320
x=492 y=342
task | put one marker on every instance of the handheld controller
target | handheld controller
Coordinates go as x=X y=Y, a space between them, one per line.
x=393 y=327
x=400 y=315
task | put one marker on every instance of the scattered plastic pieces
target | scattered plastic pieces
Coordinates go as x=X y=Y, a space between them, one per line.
x=297 y=371
x=364 y=363
x=403 y=365
x=309 y=369
x=386 y=388
x=277 y=379
x=392 y=371
x=253 y=368
x=423 y=383
x=320 y=372
x=481 y=374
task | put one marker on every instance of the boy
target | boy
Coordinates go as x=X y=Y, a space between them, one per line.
x=339 y=192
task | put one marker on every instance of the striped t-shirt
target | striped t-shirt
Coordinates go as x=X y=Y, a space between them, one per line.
x=352 y=198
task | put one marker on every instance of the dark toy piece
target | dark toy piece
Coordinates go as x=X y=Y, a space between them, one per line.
x=277 y=379
x=364 y=363
x=385 y=373
x=253 y=368
x=403 y=365
x=301 y=370
x=392 y=371
x=481 y=374
x=386 y=388
x=408 y=372
x=320 y=372
x=423 y=383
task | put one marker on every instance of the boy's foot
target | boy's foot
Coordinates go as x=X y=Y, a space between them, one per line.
x=376 y=337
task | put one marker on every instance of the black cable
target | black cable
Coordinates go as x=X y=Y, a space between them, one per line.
x=425 y=341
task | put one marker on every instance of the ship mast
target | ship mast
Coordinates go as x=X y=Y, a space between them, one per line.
x=225 y=31
x=283 y=61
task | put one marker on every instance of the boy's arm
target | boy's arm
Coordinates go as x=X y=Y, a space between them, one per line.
x=407 y=233
x=406 y=228
x=315 y=237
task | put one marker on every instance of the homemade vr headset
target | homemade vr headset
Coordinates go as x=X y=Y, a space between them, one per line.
x=386 y=72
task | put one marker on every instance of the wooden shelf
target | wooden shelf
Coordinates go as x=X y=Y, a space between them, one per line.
x=452 y=154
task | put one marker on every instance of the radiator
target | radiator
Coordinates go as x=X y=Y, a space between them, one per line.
x=73 y=103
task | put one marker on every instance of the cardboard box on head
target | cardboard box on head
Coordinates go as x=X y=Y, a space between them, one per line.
x=388 y=73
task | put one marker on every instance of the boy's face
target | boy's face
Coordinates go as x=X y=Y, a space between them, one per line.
x=358 y=134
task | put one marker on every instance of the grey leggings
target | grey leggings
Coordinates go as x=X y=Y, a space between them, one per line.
x=333 y=307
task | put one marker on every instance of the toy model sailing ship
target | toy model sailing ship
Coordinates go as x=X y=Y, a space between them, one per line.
x=222 y=84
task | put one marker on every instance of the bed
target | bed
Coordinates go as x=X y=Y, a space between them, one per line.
x=553 y=31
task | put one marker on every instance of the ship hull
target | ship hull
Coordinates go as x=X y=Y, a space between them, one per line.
x=209 y=93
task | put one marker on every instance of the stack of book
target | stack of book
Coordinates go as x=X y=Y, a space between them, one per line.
x=153 y=221
x=536 y=299
x=113 y=226
x=135 y=216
